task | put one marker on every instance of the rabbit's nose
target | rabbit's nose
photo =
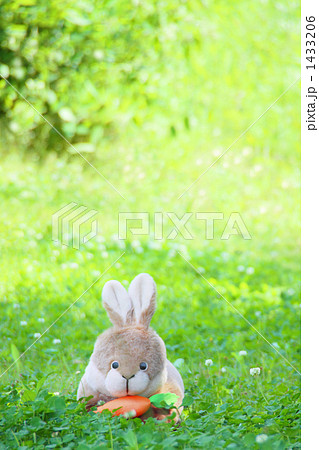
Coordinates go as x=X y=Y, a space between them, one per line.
x=128 y=378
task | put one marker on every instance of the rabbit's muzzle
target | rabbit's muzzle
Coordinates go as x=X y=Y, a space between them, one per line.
x=119 y=385
x=127 y=381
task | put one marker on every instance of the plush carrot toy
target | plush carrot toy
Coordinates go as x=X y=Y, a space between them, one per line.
x=124 y=405
x=159 y=406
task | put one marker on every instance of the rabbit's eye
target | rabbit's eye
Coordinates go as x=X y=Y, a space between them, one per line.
x=143 y=366
x=115 y=365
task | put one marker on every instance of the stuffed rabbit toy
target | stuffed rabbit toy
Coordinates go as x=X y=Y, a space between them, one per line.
x=129 y=358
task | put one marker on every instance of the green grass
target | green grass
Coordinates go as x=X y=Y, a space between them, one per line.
x=229 y=407
x=194 y=91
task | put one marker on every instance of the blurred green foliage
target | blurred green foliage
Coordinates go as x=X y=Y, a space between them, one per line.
x=88 y=66
x=98 y=69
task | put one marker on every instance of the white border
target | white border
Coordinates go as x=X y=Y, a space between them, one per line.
x=310 y=243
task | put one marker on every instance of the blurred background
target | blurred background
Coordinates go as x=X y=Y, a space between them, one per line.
x=151 y=93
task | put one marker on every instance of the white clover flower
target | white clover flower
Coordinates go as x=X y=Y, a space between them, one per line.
x=96 y=273
x=98 y=54
x=73 y=265
x=89 y=255
x=56 y=341
x=155 y=245
x=250 y=270
x=178 y=363
x=135 y=243
x=258 y=313
x=77 y=372
x=16 y=305
x=25 y=194
x=261 y=438
x=242 y=353
x=23 y=323
x=37 y=335
x=130 y=414
x=208 y=362
x=104 y=255
x=223 y=369
x=56 y=393
x=254 y=371
x=41 y=319
x=171 y=253
x=241 y=268
x=121 y=244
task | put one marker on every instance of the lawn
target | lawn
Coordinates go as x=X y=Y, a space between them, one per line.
x=233 y=301
x=227 y=406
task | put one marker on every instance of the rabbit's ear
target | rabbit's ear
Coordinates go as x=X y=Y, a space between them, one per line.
x=142 y=291
x=117 y=303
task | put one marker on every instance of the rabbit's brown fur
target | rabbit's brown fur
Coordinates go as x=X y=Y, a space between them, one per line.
x=129 y=343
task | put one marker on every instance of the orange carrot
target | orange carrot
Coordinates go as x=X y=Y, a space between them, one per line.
x=127 y=404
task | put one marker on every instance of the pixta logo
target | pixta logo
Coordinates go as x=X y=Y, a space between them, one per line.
x=69 y=225
x=167 y=225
